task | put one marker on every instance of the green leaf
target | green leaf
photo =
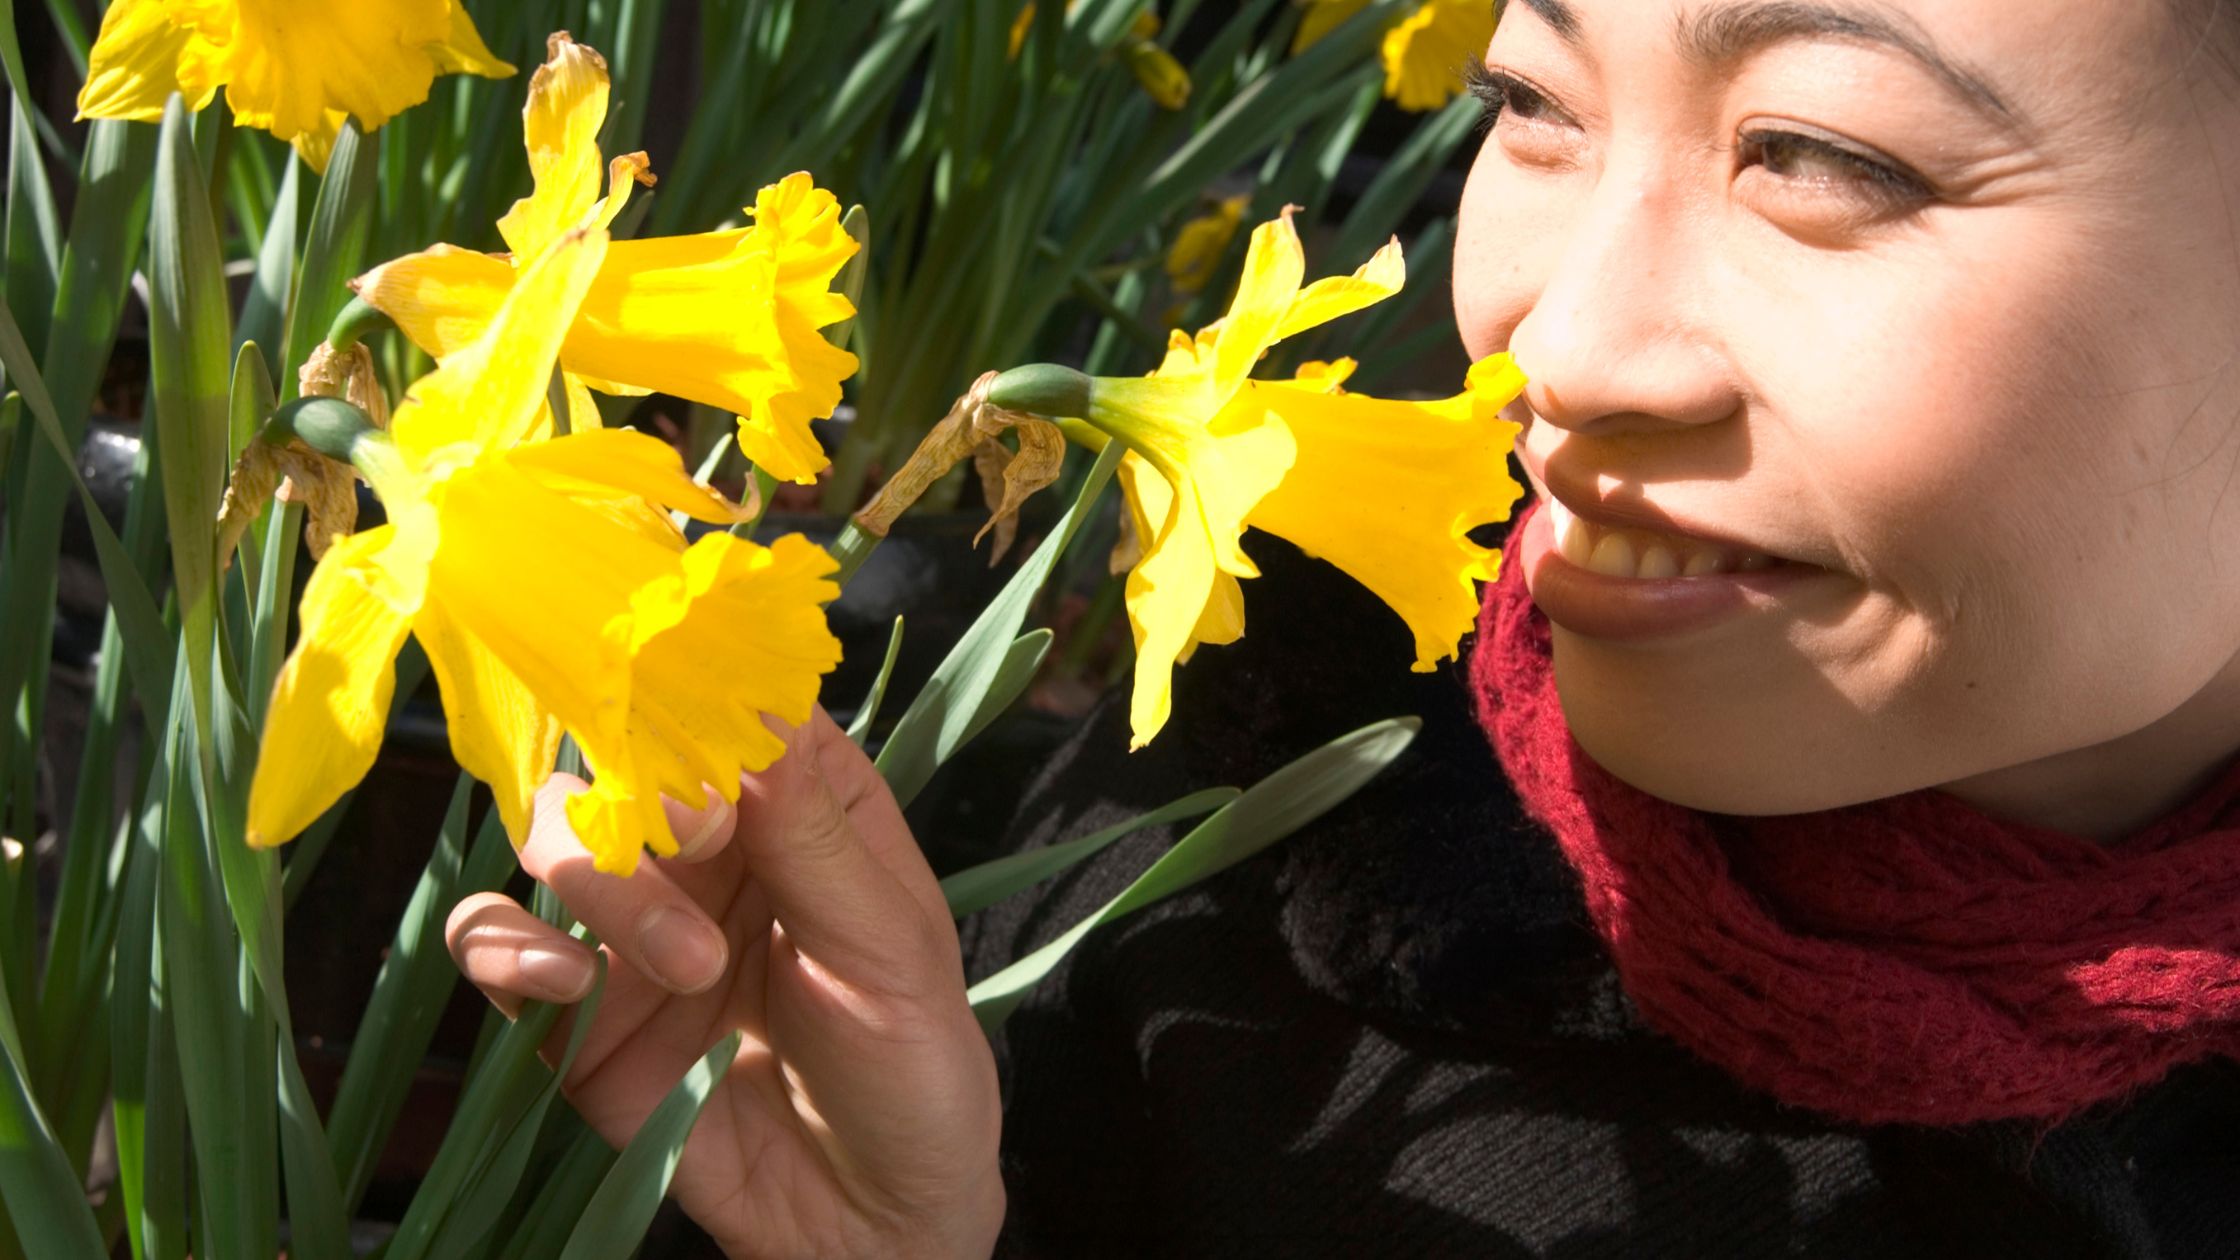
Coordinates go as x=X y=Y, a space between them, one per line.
x=552 y=1214
x=147 y=1107
x=507 y=1086
x=264 y=314
x=1013 y=673
x=416 y=981
x=952 y=706
x=34 y=231
x=859 y=728
x=1272 y=809
x=978 y=887
x=615 y=1220
x=146 y=641
x=189 y=357
x=340 y=222
x=42 y=1191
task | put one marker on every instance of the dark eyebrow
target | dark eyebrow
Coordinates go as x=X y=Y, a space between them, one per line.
x=1721 y=34
x=1555 y=13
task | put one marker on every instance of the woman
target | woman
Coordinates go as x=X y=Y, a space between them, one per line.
x=1853 y=871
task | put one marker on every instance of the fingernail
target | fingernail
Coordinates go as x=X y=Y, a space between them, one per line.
x=685 y=955
x=718 y=817
x=557 y=976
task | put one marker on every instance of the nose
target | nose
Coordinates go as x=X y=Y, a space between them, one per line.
x=1620 y=339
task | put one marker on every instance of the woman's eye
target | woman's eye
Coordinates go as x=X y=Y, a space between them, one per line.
x=1531 y=126
x=1809 y=166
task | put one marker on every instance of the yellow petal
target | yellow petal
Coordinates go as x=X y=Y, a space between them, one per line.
x=560 y=124
x=1161 y=77
x=332 y=697
x=612 y=462
x=317 y=145
x=1321 y=18
x=442 y=297
x=500 y=734
x=285 y=68
x=489 y=393
x=1424 y=53
x=1389 y=492
x=1169 y=592
x=730 y=319
x=1201 y=242
x=463 y=52
x=753 y=642
x=133 y=67
x=1328 y=298
x=553 y=589
x=1273 y=266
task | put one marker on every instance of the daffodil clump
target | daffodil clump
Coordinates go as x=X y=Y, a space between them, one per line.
x=728 y=318
x=1387 y=490
x=1425 y=50
x=552 y=594
x=293 y=69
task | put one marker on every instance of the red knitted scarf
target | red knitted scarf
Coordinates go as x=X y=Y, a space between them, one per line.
x=1905 y=960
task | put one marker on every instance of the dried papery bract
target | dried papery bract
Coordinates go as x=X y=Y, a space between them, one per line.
x=974 y=429
x=294 y=473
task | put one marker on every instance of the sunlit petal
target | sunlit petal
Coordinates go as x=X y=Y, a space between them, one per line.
x=560 y=124
x=609 y=462
x=134 y=65
x=442 y=297
x=1333 y=296
x=500 y=734
x=332 y=699
x=1273 y=266
x=489 y=392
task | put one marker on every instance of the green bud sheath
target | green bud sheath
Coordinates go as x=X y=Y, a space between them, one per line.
x=1045 y=389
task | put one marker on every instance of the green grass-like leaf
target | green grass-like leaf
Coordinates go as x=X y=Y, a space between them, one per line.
x=1267 y=812
x=615 y=1219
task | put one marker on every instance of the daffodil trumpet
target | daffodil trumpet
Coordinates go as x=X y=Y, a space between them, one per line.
x=552 y=594
x=1387 y=490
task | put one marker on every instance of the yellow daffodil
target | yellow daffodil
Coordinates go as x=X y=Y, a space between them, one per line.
x=1386 y=490
x=552 y=594
x=1198 y=247
x=1162 y=78
x=291 y=69
x=1425 y=50
x=727 y=318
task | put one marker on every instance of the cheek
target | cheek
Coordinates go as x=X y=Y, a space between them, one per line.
x=1504 y=245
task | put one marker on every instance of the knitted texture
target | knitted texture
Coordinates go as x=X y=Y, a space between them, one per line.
x=1905 y=960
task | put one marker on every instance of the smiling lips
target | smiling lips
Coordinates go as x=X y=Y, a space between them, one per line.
x=1633 y=583
x=1646 y=553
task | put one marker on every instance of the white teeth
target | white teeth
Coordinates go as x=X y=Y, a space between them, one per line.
x=1634 y=553
x=1613 y=555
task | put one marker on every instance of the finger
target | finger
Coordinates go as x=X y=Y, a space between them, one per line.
x=838 y=902
x=702 y=831
x=511 y=954
x=648 y=921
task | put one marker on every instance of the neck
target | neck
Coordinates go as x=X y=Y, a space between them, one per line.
x=2106 y=792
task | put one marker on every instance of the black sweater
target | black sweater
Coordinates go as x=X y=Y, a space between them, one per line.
x=1395 y=1034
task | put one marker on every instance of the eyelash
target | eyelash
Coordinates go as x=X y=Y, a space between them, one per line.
x=1888 y=184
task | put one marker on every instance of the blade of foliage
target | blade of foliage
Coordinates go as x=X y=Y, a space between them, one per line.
x=147 y=1106
x=264 y=313
x=1267 y=812
x=552 y=1214
x=42 y=1191
x=506 y=1084
x=416 y=980
x=978 y=887
x=189 y=354
x=220 y=1042
x=615 y=1219
x=949 y=710
x=145 y=639
x=341 y=219
x=107 y=221
x=859 y=729
x=34 y=230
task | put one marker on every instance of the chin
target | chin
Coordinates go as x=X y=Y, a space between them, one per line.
x=1726 y=746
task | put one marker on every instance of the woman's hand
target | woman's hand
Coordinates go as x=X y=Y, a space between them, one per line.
x=861 y=1116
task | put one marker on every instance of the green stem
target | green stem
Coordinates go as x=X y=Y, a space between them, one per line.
x=854 y=546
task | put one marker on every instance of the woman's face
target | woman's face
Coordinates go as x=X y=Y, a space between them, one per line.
x=1936 y=303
